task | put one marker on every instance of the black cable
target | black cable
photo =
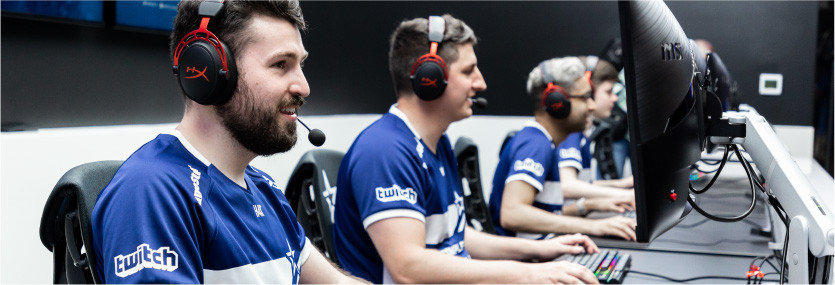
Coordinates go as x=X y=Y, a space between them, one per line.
x=772 y=265
x=718 y=171
x=729 y=219
x=785 y=253
x=781 y=212
x=691 y=279
x=706 y=171
x=710 y=163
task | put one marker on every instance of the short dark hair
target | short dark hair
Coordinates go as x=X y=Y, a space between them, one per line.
x=230 y=22
x=603 y=71
x=410 y=41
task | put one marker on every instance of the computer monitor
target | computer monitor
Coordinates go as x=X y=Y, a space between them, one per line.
x=726 y=87
x=664 y=116
x=146 y=15
x=69 y=11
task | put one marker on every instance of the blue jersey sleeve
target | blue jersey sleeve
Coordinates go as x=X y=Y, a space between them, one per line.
x=387 y=182
x=569 y=152
x=152 y=227
x=529 y=159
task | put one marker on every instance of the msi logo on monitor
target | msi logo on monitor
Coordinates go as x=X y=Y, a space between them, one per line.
x=671 y=51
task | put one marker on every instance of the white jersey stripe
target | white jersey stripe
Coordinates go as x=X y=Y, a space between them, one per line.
x=439 y=227
x=552 y=194
x=525 y=177
x=176 y=133
x=269 y=272
x=382 y=215
x=571 y=163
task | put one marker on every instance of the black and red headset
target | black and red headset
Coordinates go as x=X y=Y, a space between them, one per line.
x=429 y=78
x=555 y=101
x=204 y=65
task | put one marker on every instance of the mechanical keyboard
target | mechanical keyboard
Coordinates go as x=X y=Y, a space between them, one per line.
x=610 y=266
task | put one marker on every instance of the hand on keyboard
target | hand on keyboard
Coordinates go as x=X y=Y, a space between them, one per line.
x=560 y=272
x=565 y=244
x=614 y=226
x=608 y=266
x=611 y=204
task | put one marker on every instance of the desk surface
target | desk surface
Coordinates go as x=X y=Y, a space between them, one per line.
x=681 y=266
x=729 y=196
x=698 y=246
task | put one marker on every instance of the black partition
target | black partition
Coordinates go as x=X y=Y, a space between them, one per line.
x=68 y=74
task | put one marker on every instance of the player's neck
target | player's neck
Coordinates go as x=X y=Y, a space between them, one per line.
x=203 y=129
x=428 y=125
x=557 y=134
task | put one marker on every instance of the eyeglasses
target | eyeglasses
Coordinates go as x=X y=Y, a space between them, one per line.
x=584 y=97
x=588 y=95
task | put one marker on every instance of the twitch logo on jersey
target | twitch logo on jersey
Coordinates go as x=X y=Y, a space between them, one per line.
x=395 y=193
x=529 y=165
x=145 y=257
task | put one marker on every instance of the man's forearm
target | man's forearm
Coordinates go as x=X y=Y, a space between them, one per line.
x=577 y=189
x=487 y=246
x=529 y=219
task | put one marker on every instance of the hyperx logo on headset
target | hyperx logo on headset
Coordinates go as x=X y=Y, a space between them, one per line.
x=200 y=73
x=428 y=82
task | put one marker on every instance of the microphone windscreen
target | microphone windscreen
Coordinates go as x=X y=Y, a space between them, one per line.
x=480 y=103
x=316 y=137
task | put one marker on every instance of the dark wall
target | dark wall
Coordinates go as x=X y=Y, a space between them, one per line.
x=57 y=75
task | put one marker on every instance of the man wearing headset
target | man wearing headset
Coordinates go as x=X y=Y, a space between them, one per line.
x=527 y=200
x=574 y=153
x=186 y=207
x=399 y=208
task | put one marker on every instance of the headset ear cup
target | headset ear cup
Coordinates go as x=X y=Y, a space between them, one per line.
x=200 y=74
x=228 y=83
x=556 y=103
x=428 y=79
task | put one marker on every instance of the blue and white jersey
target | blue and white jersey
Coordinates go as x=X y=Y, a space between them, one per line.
x=169 y=216
x=389 y=172
x=575 y=151
x=530 y=156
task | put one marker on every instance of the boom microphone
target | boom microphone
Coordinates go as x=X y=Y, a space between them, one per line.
x=316 y=136
x=479 y=102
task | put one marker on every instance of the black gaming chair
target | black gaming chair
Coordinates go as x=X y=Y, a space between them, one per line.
x=475 y=207
x=311 y=191
x=507 y=138
x=65 y=224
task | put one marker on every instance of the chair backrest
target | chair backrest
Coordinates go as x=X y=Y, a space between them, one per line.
x=311 y=190
x=475 y=206
x=507 y=138
x=65 y=223
x=603 y=152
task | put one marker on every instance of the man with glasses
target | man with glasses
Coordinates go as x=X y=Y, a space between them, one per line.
x=527 y=199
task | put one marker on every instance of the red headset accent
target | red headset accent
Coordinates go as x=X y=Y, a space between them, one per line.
x=431 y=56
x=551 y=88
x=201 y=33
x=588 y=78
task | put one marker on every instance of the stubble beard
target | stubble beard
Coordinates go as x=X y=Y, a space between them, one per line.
x=256 y=126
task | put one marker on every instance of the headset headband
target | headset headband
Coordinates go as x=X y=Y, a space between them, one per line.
x=436 y=29
x=208 y=9
x=591 y=62
x=546 y=76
